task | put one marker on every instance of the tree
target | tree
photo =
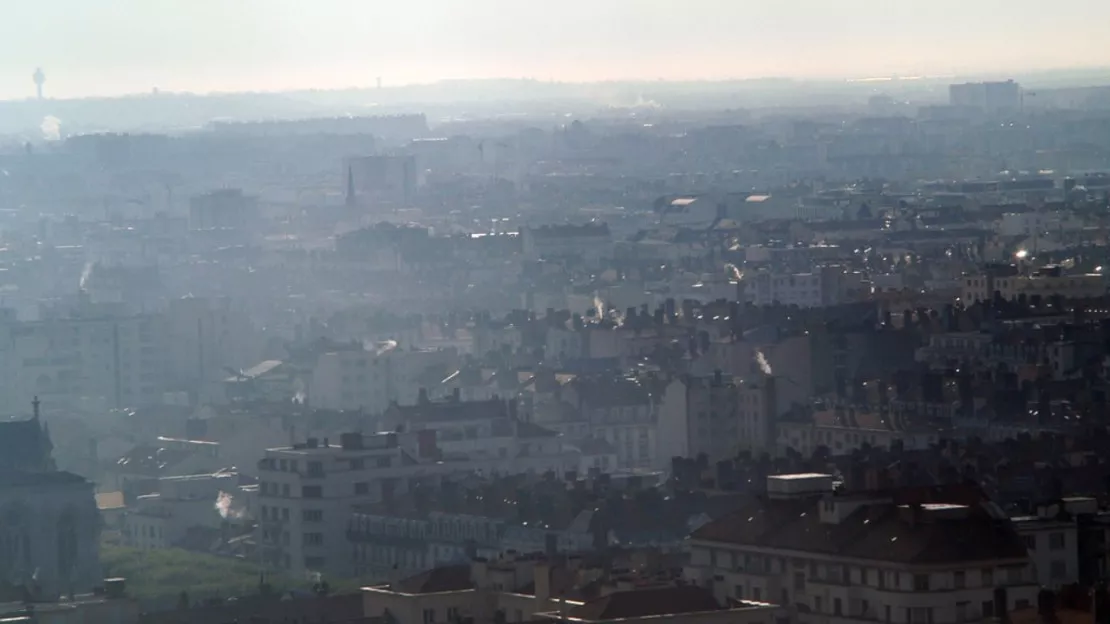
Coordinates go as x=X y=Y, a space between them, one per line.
x=864 y=211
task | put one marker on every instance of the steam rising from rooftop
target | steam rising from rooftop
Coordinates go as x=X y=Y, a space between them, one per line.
x=51 y=128
x=224 y=506
x=761 y=360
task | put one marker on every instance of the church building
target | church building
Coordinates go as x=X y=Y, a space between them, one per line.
x=49 y=524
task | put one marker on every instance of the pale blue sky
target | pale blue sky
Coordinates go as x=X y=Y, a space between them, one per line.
x=111 y=46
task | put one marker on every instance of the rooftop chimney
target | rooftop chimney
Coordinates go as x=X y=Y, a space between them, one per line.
x=1002 y=605
x=1046 y=605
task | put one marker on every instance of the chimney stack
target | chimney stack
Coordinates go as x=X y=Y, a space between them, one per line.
x=1001 y=605
x=1046 y=605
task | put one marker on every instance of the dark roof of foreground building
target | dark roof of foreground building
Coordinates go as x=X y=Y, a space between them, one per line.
x=442 y=579
x=877 y=530
x=647 y=603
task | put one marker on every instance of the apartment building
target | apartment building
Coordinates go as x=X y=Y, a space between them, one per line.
x=909 y=556
x=1044 y=283
x=474 y=429
x=386 y=543
x=589 y=242
x=1052 y=535
x=307 y=491
x=206 y=339
x=80 y=361
x=618 y=410
x=163 y=519
x=823 y=286
x=532 y=588
x=844 y=429
x=353 y=376
x=717 y=416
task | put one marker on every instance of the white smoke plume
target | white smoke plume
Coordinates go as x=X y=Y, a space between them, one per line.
x=223 y=505
x=51 y=128
x=85 y=272
x=599 y=305
x=762 y=361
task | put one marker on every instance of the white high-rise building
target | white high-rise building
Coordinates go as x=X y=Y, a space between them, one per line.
x=307 y=492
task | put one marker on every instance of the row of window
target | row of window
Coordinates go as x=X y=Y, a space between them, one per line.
x=267 y=488
x=1056 y=541
x=804 y=571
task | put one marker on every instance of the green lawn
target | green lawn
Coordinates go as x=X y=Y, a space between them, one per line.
x=157 y=577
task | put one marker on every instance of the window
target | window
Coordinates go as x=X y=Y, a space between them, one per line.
x=1056 y=541
x=1030 y=542
x=312 y=491
x=453 y=614
x=357 y=464
x=887 y=616
x=429 y=616
x=757 y=594
x=961 y=612
x=1059 y=570
x=739 y=592
x=817 y=604
x=988 y=608
x=313 y=515
x=836 y=606
x=959 y=580
x=362 y=488
x=921 y=582
x=921 y=615
x=988 y=581
x=800 y=581
x=313 y=539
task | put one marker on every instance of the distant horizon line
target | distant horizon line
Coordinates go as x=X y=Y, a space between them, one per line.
x=895 y=77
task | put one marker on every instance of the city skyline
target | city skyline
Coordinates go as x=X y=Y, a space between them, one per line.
x=121 y=46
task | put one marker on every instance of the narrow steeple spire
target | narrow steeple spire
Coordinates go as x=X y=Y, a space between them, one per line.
x=350 y=187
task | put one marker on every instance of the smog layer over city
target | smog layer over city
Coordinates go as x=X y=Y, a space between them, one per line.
x=587 y=312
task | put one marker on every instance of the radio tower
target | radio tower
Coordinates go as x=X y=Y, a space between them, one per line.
x=39 y=77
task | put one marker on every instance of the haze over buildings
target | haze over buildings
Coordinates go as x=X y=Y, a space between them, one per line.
x=806 y=351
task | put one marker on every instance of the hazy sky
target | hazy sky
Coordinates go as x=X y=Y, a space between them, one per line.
x=113 y=46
